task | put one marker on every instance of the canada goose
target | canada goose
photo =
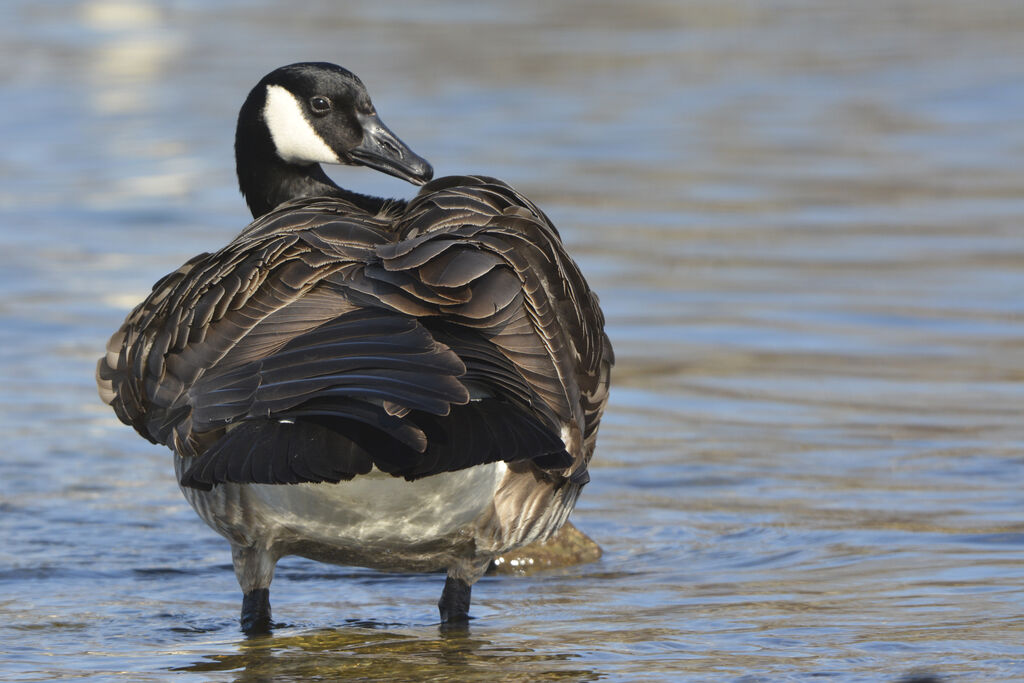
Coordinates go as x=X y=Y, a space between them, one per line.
x=398 y=385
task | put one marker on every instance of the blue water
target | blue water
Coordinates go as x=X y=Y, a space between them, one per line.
x=805 y=224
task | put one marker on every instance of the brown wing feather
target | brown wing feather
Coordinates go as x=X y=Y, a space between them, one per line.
x=224 y=309
x=529 y=298
x=471 y=287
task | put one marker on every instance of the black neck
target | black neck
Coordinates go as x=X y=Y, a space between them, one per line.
x=267 y=185
x=267 y=181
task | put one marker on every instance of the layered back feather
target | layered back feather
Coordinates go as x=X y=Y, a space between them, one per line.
x=325 y=340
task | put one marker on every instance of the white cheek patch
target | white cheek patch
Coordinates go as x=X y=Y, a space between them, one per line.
x=294 y=138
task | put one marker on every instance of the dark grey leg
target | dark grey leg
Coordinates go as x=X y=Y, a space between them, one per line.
x=256 y=611
x=454 y=602
x=254 y=568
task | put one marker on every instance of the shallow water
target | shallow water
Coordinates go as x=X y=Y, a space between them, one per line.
x=805 y=224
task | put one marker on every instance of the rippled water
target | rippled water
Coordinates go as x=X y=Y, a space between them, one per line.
x=805 y=224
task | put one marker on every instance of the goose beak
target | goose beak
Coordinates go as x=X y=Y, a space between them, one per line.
x=381 y=150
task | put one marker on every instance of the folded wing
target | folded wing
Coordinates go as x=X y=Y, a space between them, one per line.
x=323 y=342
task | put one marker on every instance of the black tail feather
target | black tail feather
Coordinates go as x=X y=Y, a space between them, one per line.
x=322 y=443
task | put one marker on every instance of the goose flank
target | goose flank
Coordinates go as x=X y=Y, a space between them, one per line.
x=411 y=386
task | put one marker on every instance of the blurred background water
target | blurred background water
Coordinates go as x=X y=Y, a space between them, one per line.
x=805 y=223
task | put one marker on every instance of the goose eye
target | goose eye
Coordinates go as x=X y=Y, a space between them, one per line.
x=320 y=105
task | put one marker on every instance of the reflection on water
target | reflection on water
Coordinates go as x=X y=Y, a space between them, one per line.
x=804 y=222
x=385 y=653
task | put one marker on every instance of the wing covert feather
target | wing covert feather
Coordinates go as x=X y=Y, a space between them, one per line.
x=361 y=338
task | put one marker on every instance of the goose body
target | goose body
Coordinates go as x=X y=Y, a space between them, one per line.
x=399 y=385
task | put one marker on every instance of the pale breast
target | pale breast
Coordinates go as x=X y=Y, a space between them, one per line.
x=373 y=520
x=379 y=509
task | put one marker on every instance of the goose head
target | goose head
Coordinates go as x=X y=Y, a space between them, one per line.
x=303 y=115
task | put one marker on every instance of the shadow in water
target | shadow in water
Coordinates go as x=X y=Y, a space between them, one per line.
x=372 y=651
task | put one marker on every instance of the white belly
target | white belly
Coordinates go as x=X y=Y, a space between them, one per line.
x=374 y=520
x=379 y=509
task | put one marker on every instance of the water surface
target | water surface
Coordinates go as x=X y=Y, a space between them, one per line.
x=805 y=224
